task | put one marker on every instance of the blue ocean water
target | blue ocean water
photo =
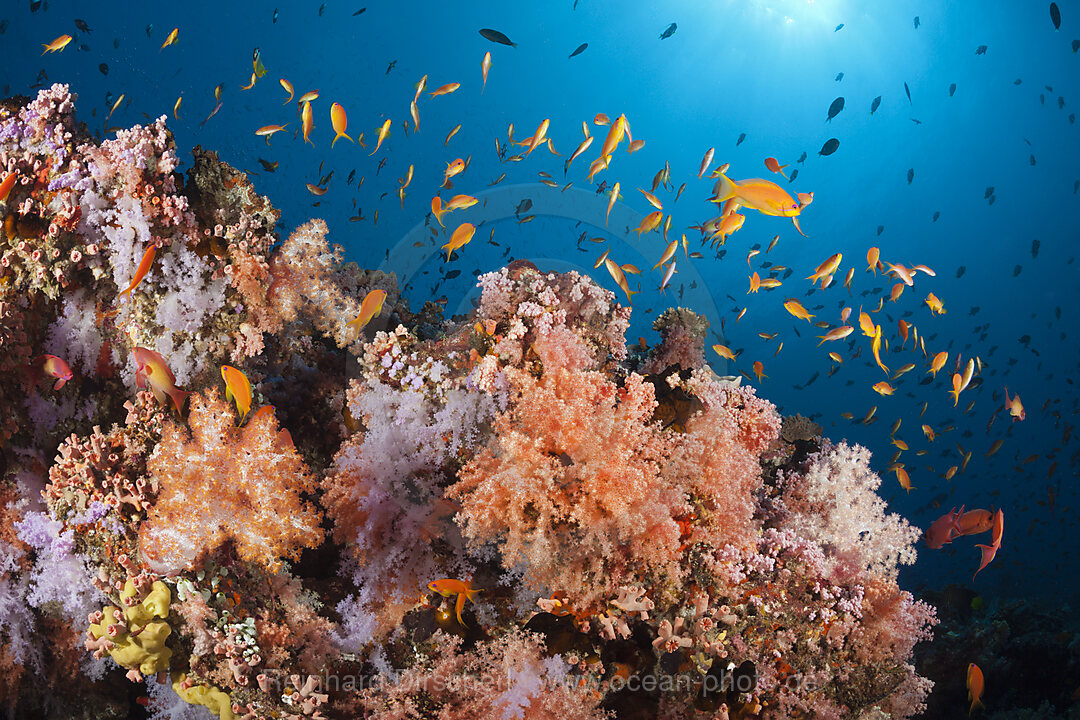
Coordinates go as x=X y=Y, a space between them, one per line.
x=1004 y=259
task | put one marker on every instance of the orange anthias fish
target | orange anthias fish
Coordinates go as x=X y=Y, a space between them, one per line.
x=237 y=389
x=140 y=272
x=485 y=66
x=974 y=686
x=903 y=478
x=1015 y=407
x=384 y=132
x=370 y=308
x=461 y=237
x=340 y=122
x=835 y=334
x=308 y=122
x=53 y=367
x=445 y=89
x=873 y=256
x=990 y=551
x=649 y=223
x=759 y=370
x=617 y=274
x=7 y=184
x=724 y=351
x=57 y=45
x=288 y=88
x=462 y=588
x=943 y=530
x=765 y=196
x=936 y=306
x=152 y=370
x=267 y=131
x=614 y=137
x=171 y=39
x=454 y=168
x=938 y=362
x=796 y=308
x=775 y=166
x=826 y=268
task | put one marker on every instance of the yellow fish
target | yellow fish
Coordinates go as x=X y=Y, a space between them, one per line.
x=308 y=122
x=384 y=132
x=171 y=39
x=795 y=307
x=57 y=45
x=461 y=236
x=370 y=308
x=237 y=389
x=340 y=122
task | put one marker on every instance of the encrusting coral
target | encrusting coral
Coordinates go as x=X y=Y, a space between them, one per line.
x=506 y=515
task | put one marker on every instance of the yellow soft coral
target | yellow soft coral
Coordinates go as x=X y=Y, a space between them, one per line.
x=140 y=630
x=207 y=695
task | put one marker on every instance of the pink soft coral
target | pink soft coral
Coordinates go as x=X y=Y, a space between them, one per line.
x=222 y=483
x=573 y=486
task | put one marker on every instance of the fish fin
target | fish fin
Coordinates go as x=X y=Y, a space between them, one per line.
x=178 y=397
x=725 y=190
x=795 y=222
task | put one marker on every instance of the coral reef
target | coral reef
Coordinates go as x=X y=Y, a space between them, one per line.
x=508 y=515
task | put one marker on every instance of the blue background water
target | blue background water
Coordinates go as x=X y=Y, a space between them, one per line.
x=763 y=68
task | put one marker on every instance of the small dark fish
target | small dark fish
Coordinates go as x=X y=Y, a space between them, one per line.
x=274 y=19
x=829 y=147
x=390 y=66
x=267 y=165
x=83 y=27
x=989 y=192
x=1072 y=118
x=910 y=175
x=1031 y=159
x=981 y=50
x=322 y=9
x=580 y=49
x=838 y=27
x=149 y=29
x=361 y=11
x=35 y=5
x=1017 y=81
x=83 y=47
x=452 y=274
x=104 y=68
x=917 y=121
x=1061 y=103
x=1017 y=270
x=835 y=108
x=669 y=31
x=116 y=43
x=907 y=91
x=952 y=89
x=523 y=206
x=1076 y=186
x=496 y=37
x=916 y=22
x=1075 y=45
x=937 y=214
x=960 y=271
x=802 y=158
x=839 y=77
x=880 y=229
x=993 y=199
x=875 y=104
x=794 y=174
x=1055 y=16
x=1035 y=248
x=1042 y=99
x=742 y=136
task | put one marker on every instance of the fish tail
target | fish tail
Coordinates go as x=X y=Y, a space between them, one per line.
x=178 y=397
x=725 y=189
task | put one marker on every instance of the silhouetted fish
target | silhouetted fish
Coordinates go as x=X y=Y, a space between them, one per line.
x=274 y=19
x=829 y=147
x=838 y=27
x=835 y=108
x=669 y=31
x=794 y=174
x=742 y=136
x=907 y=91
x=880 y=229
x=989 y=192
x=1035 y=248
x=875 y=104
x=839 y=77
x=103 y=68
x=952 y=89
x=361 y=11
x=916 y=22
x=910 y=175
x=580 y=49
x=960 y=271
x=1031 y=159
x=802 y=158
x=1075 y=45
x=1055 y=16
x=981 y=50
x=83 y=27
x=937 y=214
x=496 y=37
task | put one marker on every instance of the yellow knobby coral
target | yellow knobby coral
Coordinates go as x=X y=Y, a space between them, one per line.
x=207 y=695
x=139 y=642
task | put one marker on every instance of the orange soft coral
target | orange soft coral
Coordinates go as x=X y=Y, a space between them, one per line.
x=222 y=483
x=572 y=485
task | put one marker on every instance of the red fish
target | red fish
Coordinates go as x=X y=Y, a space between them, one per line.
x=989 y=551
x=974 y=522
x=944 y=529
x=53 y=367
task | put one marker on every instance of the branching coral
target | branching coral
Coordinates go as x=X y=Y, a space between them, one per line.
x=222 y=483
